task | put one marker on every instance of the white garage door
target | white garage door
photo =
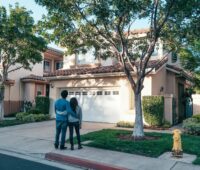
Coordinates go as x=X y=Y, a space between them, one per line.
x=98 y=105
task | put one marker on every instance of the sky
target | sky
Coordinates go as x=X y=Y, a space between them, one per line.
x=38 y=11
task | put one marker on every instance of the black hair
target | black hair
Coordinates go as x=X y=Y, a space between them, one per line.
x=64 y=94
x=73 y=103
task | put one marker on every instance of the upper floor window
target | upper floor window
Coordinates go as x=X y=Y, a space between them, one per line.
x=87 y=58
x=174 y=57
x=47 y=66
x=58 y=65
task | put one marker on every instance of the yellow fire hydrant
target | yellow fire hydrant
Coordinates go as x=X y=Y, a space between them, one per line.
x=177 y=145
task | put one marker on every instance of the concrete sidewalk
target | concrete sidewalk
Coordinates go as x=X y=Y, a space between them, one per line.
x=36 y=140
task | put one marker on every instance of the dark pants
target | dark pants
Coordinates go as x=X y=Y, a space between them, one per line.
x=76 y=126
x=61 y=127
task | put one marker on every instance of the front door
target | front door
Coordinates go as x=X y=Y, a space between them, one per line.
x=181 y=104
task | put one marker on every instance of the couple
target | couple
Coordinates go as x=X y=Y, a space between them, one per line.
x=67 y=114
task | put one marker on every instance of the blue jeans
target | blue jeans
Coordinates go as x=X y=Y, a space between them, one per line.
x=61 y=127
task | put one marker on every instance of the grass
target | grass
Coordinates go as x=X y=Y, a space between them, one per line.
x=107 y=139
x=13 y=122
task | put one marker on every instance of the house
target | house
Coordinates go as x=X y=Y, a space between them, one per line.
x=104 y=93
x=25 y=85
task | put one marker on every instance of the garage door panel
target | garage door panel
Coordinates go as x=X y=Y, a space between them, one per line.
x=98 y=105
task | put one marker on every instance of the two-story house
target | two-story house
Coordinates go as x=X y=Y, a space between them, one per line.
x=104 y=93
x=25 y=85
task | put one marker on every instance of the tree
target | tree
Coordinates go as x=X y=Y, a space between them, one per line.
x=105 y=25
x=19 y=45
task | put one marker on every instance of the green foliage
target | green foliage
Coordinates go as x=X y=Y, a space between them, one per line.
x=31 y=117
x=197 y=117
x=125 y=124
x=166 y=124
x=34 y=111
x=42 y=104
x=5 y=123
x=19 y=43
x=153 y=108
x=109 y=139
x=192 y=125
x=19 y=116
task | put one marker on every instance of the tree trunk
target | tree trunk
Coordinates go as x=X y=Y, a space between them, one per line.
x=1 y=102
x=138 y=126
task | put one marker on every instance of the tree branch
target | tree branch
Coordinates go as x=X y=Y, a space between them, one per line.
x=15 y=69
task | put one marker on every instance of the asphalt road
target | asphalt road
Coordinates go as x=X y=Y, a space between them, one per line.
x=13 y=163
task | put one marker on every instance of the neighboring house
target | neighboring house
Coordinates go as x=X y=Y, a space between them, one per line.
x=25 y=85
x=105 y=94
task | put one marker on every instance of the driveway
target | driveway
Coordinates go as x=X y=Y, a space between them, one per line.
x=37 y=138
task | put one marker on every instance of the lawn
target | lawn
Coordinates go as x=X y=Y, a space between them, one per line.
x=108 y=139
x=13 y=122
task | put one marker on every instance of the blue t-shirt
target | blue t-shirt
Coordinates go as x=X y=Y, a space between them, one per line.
x=62 y=108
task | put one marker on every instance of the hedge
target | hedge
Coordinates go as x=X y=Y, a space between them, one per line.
x=42 y=104
x=153 y=109
x=26 y=117
x=192 y=125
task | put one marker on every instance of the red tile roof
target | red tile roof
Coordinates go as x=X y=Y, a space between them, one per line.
x=180 y=71
x=33 y=77
x=100 y=69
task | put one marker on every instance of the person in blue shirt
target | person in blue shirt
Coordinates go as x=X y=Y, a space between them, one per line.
x=62 y=108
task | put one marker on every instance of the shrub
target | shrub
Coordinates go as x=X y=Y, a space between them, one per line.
x=19 y=116
x=197 y=117
x=42 y=104
x=125 y=124
x=26 y=117
x=166 y=124
x=41 y=117
x=34 y=111
x=153 y=108
x=192 y=125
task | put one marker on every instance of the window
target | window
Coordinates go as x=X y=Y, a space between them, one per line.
x=39 y=89
x=58 y=65
x=115 y=92
x=47 y=66
x=107 y=92
x=71 y=93
x=99 y=92
x=78 y=93
x=174 y=57
x=84 y=93
x=86 y=58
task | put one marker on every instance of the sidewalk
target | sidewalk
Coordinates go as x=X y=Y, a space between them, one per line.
x=36 y=140
x=116 y=160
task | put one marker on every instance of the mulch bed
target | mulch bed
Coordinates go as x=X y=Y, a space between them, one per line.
x=132 y=138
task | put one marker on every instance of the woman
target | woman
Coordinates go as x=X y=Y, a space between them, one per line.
x=75 y=122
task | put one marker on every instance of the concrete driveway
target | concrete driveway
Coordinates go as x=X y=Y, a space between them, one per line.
x=37 y=138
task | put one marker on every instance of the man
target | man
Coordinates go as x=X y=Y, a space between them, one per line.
x=62 y=107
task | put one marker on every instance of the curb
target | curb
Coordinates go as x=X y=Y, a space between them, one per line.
x=80 y=162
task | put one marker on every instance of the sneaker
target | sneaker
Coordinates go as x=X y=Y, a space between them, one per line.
x=80 y=147
x=72 y=148
x=63 y=147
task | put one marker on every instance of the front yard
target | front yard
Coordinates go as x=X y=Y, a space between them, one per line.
x=109 y=139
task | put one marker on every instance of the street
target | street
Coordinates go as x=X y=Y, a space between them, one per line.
x=14 y=163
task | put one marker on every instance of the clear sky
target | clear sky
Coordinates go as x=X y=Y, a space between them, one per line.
x=38 y=11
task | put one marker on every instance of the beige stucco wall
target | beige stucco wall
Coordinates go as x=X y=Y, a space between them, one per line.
x=196 y=104
x=17 y=91
x=159 y=82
